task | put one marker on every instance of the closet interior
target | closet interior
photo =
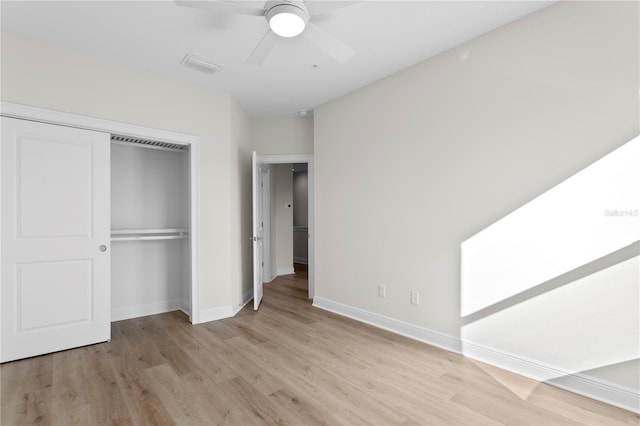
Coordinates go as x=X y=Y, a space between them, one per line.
x=150 y=211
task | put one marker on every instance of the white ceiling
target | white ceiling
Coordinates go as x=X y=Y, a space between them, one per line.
x=155 y=35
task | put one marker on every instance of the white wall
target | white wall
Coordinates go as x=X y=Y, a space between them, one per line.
x=47 y=76
x=149 y=189
x=410 y=167
x=556 y=261
x=282 y=135
x=282 y=232
x=241 y=208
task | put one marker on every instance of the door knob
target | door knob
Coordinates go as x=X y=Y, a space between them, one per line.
x=102 y=247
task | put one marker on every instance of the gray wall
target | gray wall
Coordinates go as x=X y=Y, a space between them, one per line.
x=410 y=167
x=44 y=75
x=282 y=231
x=282 y=135
x=300 y=215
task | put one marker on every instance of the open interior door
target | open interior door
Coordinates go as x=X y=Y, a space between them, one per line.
x=257 y=231
x=55 y=240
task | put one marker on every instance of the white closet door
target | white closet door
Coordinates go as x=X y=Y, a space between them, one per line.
x=55 y=291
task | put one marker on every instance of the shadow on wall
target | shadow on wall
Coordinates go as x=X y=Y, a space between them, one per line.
x=557 y=281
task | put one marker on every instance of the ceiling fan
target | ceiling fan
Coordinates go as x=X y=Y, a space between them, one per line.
x=286 y=18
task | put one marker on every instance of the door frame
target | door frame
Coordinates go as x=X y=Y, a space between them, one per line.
x=25 y=112
x=308 y=159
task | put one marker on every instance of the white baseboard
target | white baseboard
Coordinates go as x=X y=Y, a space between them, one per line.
x=399 y=327
x=601 y=390
x=217 y=313
x=302 y=260
x=186 y=308
x=273 y=277
x=246 y=298
x=285 y=271
x=227 y=311
x=128 y=312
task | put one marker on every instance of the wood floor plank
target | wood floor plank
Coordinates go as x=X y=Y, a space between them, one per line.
x=288 y=363
x=26 y=392
x=508 y=409
x=175 y=396
x=71 y=401
x=259 y=406
x=307 y=411
x=221 y=408
x=144 y=405
x=107 y=403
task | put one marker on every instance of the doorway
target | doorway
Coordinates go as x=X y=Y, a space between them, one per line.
x=268 y=202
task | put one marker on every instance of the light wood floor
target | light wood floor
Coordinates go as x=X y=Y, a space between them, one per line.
x=289 y=364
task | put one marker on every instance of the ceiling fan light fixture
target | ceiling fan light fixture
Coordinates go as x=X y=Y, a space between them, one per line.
x=287 y=20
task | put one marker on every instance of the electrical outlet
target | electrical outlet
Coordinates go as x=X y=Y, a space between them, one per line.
x=382 y=291
x=415 y=298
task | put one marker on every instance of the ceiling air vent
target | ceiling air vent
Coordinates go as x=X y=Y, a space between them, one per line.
x=199 y=64
x=128 y=140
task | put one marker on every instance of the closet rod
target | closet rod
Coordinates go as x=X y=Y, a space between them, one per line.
x=149 y=231
x=148 y=237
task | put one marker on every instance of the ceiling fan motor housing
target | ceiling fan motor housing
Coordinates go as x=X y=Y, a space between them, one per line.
x=286 y=18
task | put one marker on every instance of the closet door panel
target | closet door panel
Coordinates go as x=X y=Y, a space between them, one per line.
x=55 y=291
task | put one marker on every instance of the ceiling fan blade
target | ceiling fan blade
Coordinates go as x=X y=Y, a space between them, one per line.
x=317 y=7
x=328 y=43
x=221 y=6
x=263 y=49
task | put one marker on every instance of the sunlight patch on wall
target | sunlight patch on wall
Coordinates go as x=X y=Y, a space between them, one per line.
x=590 y=323
x=586 y=217
x=557 y=282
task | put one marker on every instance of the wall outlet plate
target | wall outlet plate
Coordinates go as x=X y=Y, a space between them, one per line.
x=382 y=291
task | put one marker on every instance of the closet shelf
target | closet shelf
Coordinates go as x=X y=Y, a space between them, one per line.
x=149 y=234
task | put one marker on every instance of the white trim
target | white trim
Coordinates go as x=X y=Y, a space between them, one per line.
x=25 y=112
x=308 y=159
x=286 y=159
x=194 y=232
x=271 y=278
x=601 y=390
x=286 y=271
x=217 y=313
x=227 y=311
x=302 y=260
x=598 y=389
x=185 y=307
x=592 y=387
x=425 y=335
x=128 y=312
x=246 y=298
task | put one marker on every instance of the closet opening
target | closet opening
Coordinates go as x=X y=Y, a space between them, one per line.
x=108 y=227
x=150 y=228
